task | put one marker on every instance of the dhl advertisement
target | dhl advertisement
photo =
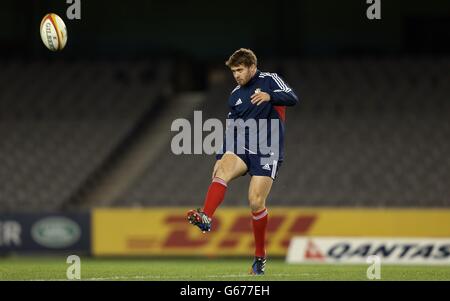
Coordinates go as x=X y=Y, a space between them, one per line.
x=166 y=231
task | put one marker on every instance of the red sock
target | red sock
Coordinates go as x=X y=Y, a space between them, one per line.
x=259 y=231
x=215 y=196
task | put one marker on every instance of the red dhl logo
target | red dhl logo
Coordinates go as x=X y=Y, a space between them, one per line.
x=181 y=235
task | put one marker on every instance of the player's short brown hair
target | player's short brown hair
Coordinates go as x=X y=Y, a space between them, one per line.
x=242 y=56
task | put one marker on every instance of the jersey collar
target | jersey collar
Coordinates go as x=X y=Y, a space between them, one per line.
x=254 y=78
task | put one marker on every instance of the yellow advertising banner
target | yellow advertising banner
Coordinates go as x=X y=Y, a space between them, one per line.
x=166 y=231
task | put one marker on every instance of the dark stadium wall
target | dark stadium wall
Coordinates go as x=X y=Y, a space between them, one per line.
x=211 y=29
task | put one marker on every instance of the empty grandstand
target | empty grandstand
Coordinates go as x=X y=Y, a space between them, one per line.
x=60 y=121
x=368 y=132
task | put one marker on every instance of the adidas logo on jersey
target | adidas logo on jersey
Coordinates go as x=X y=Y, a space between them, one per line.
x=266 y=167
x=238 y=102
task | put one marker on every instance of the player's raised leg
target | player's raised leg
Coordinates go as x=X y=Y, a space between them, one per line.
x=225 y=170
x=259 y=190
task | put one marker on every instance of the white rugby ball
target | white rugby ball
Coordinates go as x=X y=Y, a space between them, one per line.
x=53 y=32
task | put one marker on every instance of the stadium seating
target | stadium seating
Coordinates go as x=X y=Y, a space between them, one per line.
x=59 y=121
x=368 y=132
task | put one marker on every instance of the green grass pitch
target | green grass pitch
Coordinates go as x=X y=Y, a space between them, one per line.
x=147 y=269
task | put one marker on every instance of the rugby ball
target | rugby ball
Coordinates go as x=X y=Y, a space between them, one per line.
x=53 y=32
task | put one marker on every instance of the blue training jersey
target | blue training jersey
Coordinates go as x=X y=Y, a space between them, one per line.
x=241 y=108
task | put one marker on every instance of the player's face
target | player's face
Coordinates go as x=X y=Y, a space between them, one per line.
x=242 y=74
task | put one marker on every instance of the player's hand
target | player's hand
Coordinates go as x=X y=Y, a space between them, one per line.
x=259 y=98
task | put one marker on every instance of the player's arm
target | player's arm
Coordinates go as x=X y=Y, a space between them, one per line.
x=281 y=94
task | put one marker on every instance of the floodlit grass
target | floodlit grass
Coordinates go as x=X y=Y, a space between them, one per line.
x=54 y=268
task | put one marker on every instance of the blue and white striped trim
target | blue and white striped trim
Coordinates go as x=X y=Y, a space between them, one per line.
x=280 y=83
x=274 y=169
